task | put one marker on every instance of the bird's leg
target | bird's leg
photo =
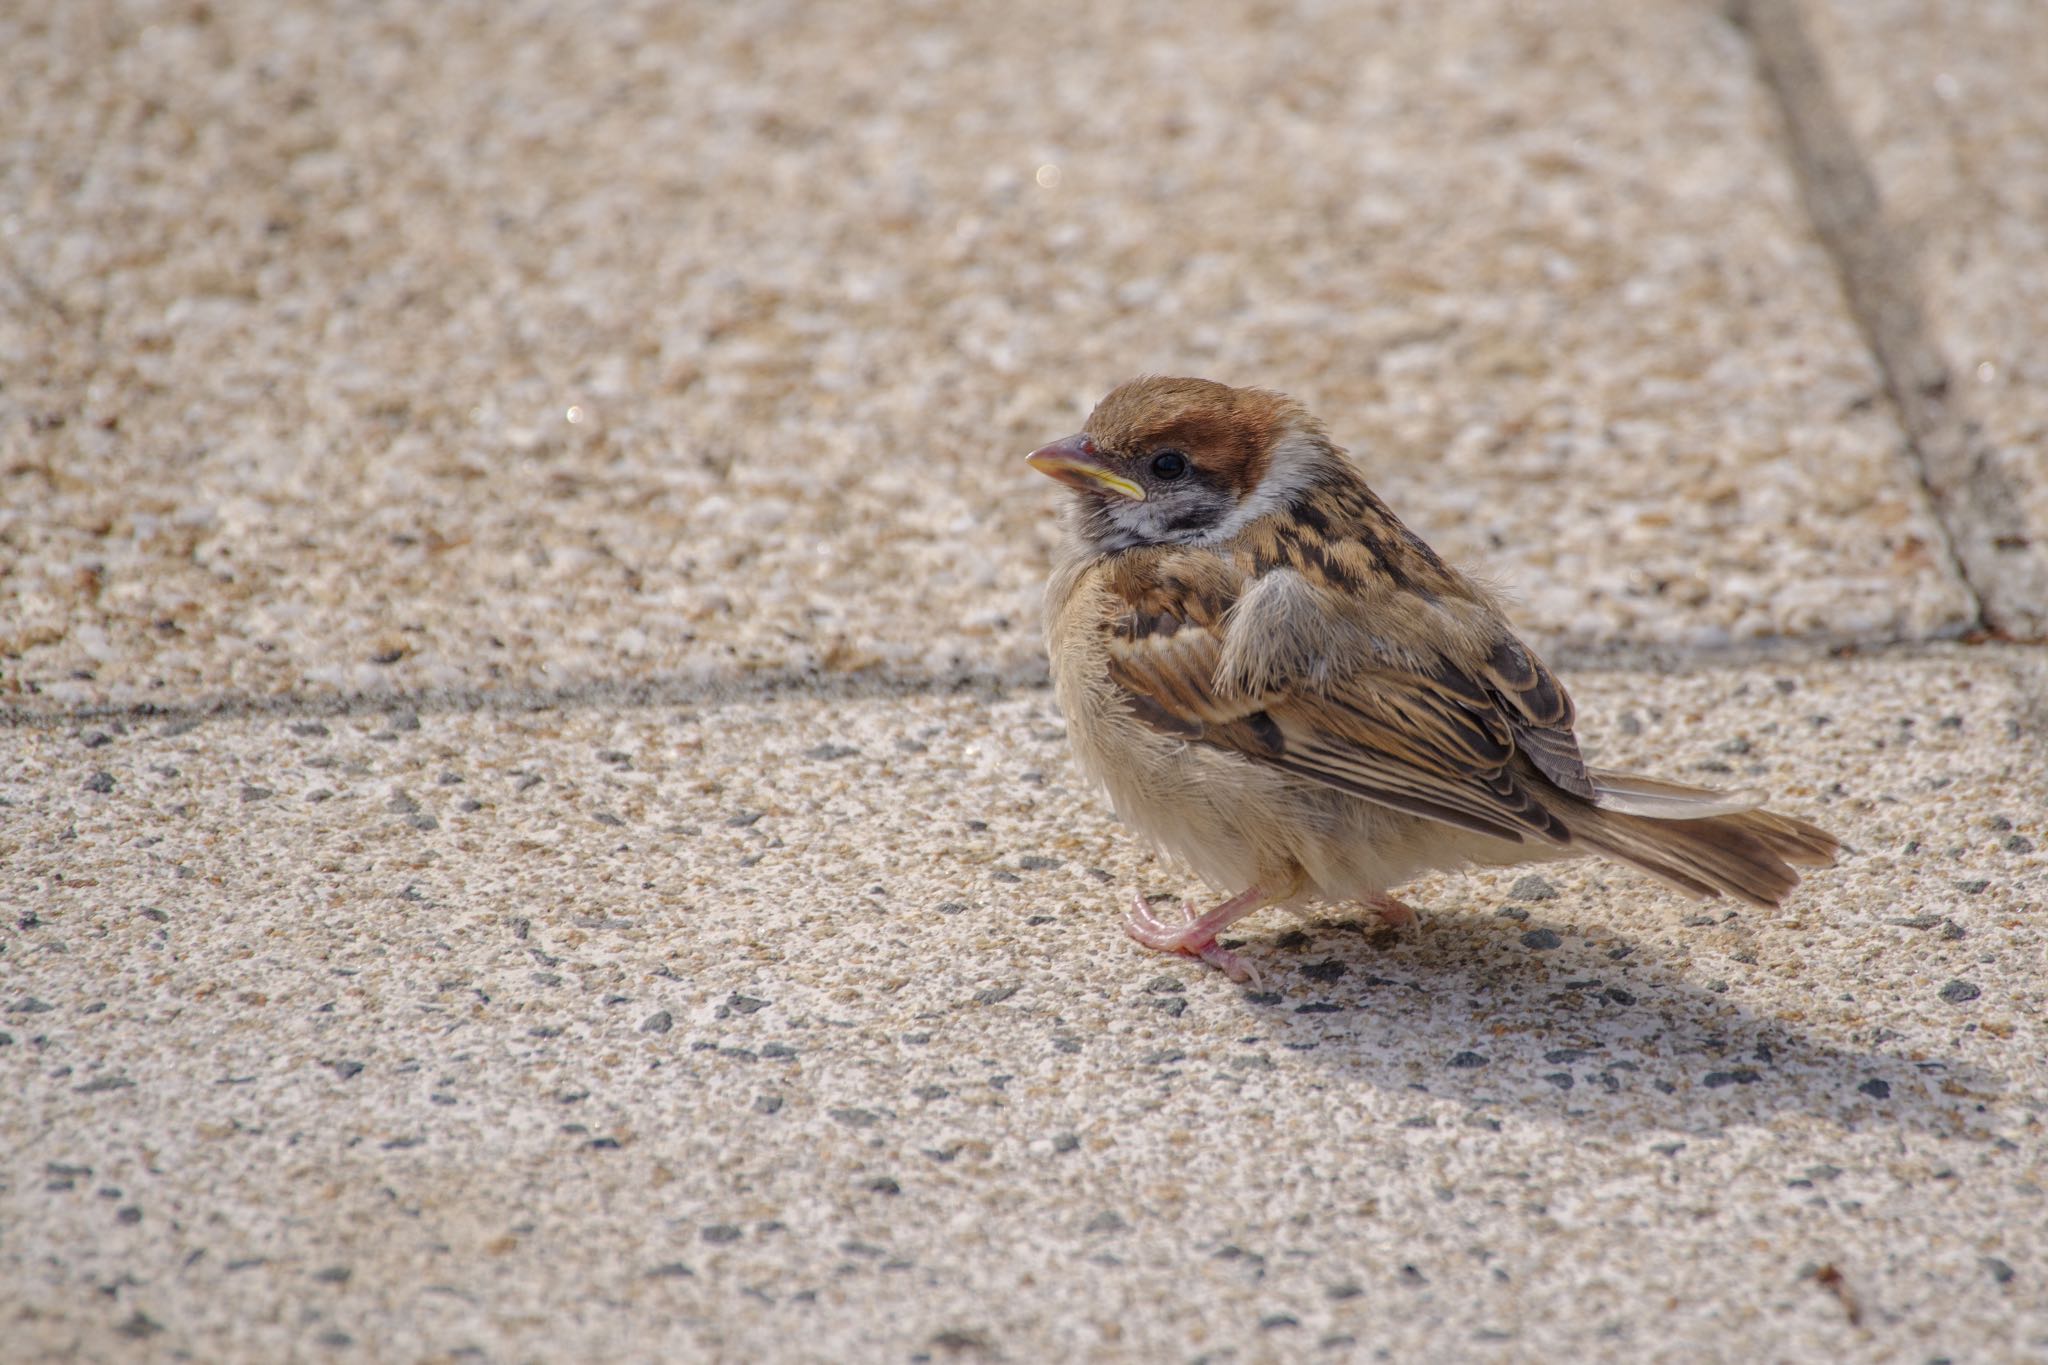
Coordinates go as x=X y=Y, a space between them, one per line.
x=1195 y=934
x=1394 y=914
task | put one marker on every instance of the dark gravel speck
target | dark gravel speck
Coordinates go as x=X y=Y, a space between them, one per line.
x=1533 y=888
x=1330 y=970
x=743 y=820
x=1542 y=940
x=826 y=753
x=334 y=1274
x=140 y=1326
x=672 y=1270
x=252 y=792
x=720 y=1233
x=2019 y=843
x=347 y=1070
x=745 y=1004
x=1714 y=1080
x=103 y=781
x=1038 y=862
x=1997 y=1269
x=1960 y=992
x=995 y=995
x=1876 y=1089
x=1107 y=1221
x=856 y=1118
x=661 y=1021
x=1465 y=1061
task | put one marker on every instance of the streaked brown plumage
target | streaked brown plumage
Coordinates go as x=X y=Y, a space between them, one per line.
x=1286 y=688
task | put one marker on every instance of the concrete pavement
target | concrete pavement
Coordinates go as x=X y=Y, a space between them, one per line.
x=534 y=829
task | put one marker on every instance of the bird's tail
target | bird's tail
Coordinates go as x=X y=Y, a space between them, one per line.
x=1703 y=842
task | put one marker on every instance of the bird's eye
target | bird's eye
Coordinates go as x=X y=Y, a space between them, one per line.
x=1169 y=464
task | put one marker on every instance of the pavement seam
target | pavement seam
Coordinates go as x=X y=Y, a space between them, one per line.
x=1973 y=499
x=711 y=692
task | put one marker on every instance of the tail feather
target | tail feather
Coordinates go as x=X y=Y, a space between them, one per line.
x=1654 y=798
x=1749 y=855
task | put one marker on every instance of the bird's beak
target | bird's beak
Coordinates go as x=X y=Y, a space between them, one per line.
x=1074 y=463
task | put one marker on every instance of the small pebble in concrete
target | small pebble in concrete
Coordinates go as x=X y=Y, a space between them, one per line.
x=1959 y=992
x=1542 y=940
x=827 y=753
x=658 y=1022
x=1533 y=888
x=101 y=781
x=140 y=1326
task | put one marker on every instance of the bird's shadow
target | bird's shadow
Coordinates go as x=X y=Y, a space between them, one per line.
x=1543 y=1020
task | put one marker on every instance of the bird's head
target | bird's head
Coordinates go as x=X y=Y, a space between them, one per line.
x=1184 y=461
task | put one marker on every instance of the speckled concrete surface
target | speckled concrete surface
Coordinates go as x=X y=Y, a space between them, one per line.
x=530 y=831
x=1950 y=105
x=804 y=1030
x=301 y=301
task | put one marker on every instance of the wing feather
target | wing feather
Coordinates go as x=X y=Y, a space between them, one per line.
x=1433 y=743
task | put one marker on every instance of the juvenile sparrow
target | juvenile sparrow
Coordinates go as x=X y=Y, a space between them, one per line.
x=1283 y=686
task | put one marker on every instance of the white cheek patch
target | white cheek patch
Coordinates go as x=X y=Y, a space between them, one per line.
x=1296 y=460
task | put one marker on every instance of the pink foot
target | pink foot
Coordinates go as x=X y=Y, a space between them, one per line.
x=1394 y=914
x=1190 y=931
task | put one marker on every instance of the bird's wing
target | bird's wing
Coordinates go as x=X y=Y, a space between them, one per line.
x=1419 y=732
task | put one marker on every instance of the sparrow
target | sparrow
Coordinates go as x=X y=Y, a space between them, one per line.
x=1287 y=690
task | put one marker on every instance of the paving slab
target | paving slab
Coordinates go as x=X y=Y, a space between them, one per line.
x=1948 y=106
x=802 y=1029
x=385 y=346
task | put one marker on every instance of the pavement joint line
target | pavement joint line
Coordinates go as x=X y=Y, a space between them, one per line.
x=712 y=692
x=1974 y=503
